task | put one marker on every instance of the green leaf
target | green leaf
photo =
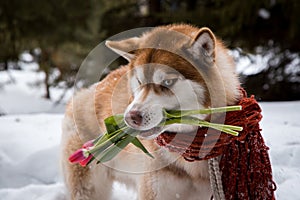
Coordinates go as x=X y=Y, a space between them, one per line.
x=111 y=152
x=114 y=123
x=138 y=144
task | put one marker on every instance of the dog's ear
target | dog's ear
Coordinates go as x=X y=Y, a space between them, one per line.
x=124 y=47
x=204 y=43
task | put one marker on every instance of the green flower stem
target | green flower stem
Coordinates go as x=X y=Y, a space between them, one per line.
x=197 y=122
x=108 y=142
x=107 y=136
x=181 y=113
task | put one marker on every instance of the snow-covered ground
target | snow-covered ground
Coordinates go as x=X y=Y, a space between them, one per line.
x=30 y=137
x=22 y=91
x=281 y=130
x=29 y=155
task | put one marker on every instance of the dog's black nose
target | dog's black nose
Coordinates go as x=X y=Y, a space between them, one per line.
x=134 y=118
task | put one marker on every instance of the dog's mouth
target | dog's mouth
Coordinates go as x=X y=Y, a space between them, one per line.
x=156 y=131
x=151 y=133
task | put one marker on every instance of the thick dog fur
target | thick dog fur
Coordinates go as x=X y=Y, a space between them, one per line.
x=134 y=87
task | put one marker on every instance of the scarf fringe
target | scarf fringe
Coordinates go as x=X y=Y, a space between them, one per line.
x=246 y=170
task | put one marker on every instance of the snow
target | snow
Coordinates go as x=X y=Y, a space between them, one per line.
x=281 y=130
x=250 y=63
x=30 y=139
x=264 y=13
x=21 y=91
x=262 y=59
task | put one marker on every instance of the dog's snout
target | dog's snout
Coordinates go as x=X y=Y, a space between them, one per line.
x=143 y=118
x=134 y=118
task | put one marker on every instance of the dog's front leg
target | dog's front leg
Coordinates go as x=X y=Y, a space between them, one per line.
x=84 y=183
x=146 y=187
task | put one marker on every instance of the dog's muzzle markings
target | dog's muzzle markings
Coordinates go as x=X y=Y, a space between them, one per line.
x=143 y=118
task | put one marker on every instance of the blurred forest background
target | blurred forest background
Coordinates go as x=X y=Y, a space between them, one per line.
x=58 y=35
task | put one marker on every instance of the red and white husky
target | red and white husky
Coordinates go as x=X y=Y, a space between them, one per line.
x=171 y=67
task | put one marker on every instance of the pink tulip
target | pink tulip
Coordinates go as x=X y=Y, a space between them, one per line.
x=82 y=156
x=86 y=161
x=88 y=144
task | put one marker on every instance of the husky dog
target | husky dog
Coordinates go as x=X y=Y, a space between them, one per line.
x=170 y=67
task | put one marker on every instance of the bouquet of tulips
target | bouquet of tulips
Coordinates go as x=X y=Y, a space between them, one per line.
x=118 y=135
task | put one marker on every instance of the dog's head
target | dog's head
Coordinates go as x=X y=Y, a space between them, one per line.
x=174 y=67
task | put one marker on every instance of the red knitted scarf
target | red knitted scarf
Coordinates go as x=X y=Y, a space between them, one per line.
x=244 y=161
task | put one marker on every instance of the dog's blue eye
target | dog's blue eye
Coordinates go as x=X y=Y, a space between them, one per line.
x=169 y=82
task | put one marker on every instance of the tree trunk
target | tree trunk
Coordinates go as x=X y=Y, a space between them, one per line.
x=6 y=65
x=44 y=63
x=47 y=86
